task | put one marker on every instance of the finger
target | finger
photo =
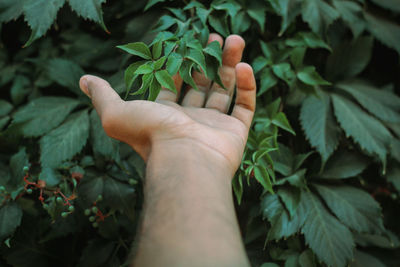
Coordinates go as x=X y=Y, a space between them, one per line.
x=219 y=98
x=245 y=103
x=196 y=98
x=168 y=95
x=106 y=101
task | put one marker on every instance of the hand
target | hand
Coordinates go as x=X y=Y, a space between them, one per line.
x=200 y=122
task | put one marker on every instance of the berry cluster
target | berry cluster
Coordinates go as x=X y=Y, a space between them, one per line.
x=95 y=214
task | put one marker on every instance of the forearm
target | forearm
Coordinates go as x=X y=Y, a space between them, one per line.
x=189 y=218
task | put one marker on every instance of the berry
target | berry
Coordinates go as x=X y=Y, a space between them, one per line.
x=26 y=169
x=92 y=218
x=132 y=181
x=45 y=206
x=94 y=210
x=29 y=191
x=95 y=224
x=71 y=208
x=87 y=212
x=99 y=198
x=64 y=214
x=59 y=200
x=2 y=188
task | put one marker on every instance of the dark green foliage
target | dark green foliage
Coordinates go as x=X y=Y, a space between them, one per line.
x=319 y=182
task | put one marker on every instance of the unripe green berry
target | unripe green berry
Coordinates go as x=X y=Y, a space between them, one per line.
x=132 y=181
x=95 y=224
x=64 y=214
x=99 y=198
x=71 y=208
x=94 y=210
x=29 y=191
x=25 y=169
x=87 y=212
x=59 y=200
x=2 y=188
x=92 y=219
x=45 y=206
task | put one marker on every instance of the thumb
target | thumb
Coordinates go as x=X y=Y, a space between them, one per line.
x=104 y=98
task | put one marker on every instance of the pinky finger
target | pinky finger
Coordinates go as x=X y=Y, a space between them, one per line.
x=246 y=94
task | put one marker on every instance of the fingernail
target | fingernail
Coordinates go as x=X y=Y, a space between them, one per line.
x=85 y=87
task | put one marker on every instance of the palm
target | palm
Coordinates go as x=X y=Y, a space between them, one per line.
x=201 y=118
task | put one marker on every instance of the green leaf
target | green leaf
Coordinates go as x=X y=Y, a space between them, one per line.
x=214 y=50
x=159 y=63
x=307 y=259
x=329 y=239
x=96 y=253
x=258 y=14
x=157 y=49
x=296 y=179
x=269 y=264
x=321 y=131
x=17 y=163
x=66 y=73
x=268 y=80
x=354 y=207
x=219 y=24
x=307 y=39
x=5 y=107
x=19 y=89
x=10 y=219
x=262 y=176
x=318 y=14
x=186 y=73
x=11 y=10
x=237 y=184
x=101 y=143
x=282 y=122
x=284 y=72
x=281 y=224
x=297 y=56
x=174 y=62
x=367 y=131
x=166 y=80
x=197 y=57
x=288 y=10
x=310 y=76
x=291 y=199
x=43 y=114
x=202 y=14
x=151 y=3
x=381 y=103
x=50 y=176
x=65 y=141
x=91 y=187
x=146 y=81
x=349 y=58
x=155 y=88
x=385 y=31
x=138 y=49
x=130 y=76
x=352 y=14
x=89 y=9
x=120 y=196
x=392 y=5
x=145 y=68
x=40 y=15
x=362 y=259
x=344 y=164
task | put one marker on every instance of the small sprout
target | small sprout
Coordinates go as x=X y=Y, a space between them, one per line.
x=71 y=208
x=95 y=224
x=29 y=191
x=87 y=212
x=94 y=210
x=92 y=219
x=59 y=200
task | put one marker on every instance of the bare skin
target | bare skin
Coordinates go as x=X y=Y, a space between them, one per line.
x=192 y=151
